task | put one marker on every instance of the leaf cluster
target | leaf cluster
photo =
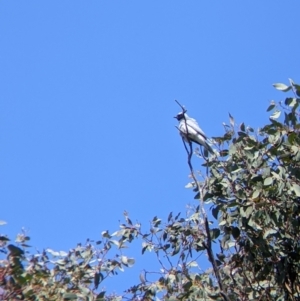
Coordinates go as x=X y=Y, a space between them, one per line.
x=240 y=243
x=52 y=275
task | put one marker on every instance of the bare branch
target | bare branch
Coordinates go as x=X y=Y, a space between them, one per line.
x=208 y=244
x=184 y=110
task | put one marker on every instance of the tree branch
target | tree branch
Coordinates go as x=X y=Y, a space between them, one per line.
x=208 y=244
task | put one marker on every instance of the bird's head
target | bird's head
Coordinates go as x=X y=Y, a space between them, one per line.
x=180 y=116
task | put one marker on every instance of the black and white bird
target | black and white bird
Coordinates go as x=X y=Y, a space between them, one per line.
x=189 y=130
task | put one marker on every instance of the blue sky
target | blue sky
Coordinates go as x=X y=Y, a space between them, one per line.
x=87 y=95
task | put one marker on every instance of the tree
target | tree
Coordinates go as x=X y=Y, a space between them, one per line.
x=251 y=236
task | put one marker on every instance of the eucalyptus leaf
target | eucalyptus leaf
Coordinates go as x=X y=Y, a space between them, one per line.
x=231 y=119
x=282 y=87
x=70 y=296
x=268 y=181
x=255 y=194
x=296 y=189
x=275 y=115
x=271 y=106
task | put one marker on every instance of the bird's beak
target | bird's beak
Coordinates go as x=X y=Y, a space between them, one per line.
x=175 y=117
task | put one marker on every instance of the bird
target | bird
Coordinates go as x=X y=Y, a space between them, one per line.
x=189 y=130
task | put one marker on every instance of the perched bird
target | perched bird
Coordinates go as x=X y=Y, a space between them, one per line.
x=190 y=131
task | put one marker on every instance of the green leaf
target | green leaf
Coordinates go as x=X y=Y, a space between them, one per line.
x=242 y=134
x=221 y=256
x=291 y=138
x=4 y=238
x=97 y=279
x=255 y=194
x=214 y=233
x=187 y=286
x=249 y=211
x=53 y=253
x=269 y=232
x=296 y=189
x=231 y=244
x=127 y=261
x=124 y=260
x=222 y=223
x=176 y=249
x=215 y=212
x=115 y=242
x=84 y=290
x=296 y=87
x=271 y=106
x=235 y=232
x=224 y=153
x=15 y=251
x=105 y=234
x=282 y=87
x=100 y=296
x=237 y=170
x=190 y=185
x=197 y=196
x=131 y=262
x=70 y=296
x=275 y=115
x=156 y=221
x=291 y=102
x=231 y=119
x=144 y=249
x=192 y=264
x=268 y=181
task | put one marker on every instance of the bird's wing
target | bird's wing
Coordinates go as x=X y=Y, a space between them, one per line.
x=192 y=124
x=190 y=131
x=185 y=128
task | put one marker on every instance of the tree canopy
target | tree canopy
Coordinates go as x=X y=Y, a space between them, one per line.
x=246 y=222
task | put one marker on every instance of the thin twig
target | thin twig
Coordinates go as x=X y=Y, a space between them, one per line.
x=184 y=110
x=208 y=244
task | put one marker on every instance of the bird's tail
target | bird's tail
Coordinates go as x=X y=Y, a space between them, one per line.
x=209 y=148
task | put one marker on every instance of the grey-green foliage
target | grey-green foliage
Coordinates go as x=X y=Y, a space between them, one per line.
x=255 y=192
x=51 y=275
x=251 y=236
